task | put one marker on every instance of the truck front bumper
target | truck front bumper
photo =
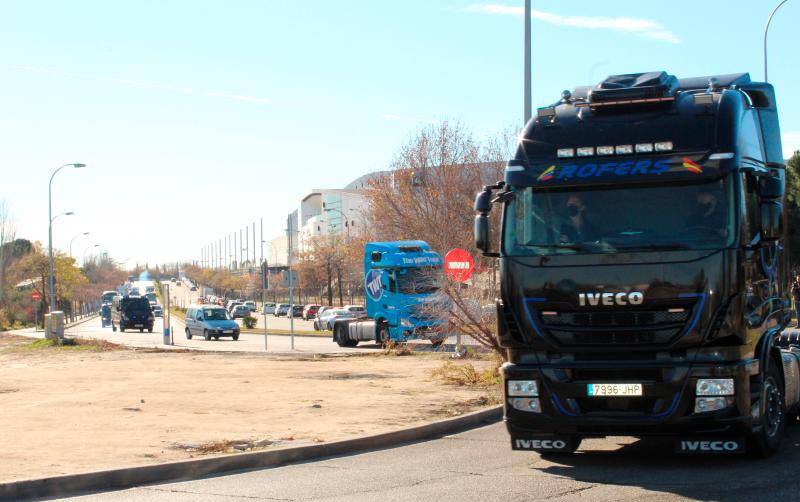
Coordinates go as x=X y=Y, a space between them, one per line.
x=665 y=408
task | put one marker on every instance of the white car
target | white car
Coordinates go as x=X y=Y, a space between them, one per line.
x=269 y=308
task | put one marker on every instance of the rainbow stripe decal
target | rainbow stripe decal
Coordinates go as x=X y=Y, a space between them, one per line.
x=547 y=175
x=692 y=166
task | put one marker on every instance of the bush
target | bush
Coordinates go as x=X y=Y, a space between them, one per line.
x=249 y=322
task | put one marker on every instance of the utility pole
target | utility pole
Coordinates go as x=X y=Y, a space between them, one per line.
x=527 y=101
x=289 y=238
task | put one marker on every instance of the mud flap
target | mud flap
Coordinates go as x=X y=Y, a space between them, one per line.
x=711 y=445
x=543 y=444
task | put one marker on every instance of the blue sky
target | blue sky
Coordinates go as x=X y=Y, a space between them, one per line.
x=197 y=117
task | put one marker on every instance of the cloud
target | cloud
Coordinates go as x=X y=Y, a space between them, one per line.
x=791 y=143
x=641 y=27
x=150 y=85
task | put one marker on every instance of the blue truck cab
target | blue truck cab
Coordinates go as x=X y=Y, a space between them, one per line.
x=400 y=279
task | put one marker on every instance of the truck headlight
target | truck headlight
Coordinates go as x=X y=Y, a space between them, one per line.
x=704 y=404
x=714 y=387
x=523 y=388
x=406 y=323
x=526 y=404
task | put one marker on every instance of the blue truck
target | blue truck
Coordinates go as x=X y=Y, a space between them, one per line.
x=401 y=279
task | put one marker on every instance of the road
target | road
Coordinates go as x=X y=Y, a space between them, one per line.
x=479 y=465
x=247 y=342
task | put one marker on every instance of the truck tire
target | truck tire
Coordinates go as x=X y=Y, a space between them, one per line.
x=767 y=441
x=122 y=328
x=113 y=327
x=188 y=334
x=383 y=334
x=339 y=335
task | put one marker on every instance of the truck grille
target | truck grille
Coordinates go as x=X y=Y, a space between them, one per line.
x=628 y=327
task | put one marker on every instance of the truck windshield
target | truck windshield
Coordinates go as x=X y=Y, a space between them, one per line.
x=415 y=281
x=611 y=220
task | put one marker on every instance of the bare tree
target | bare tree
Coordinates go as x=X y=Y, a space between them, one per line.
x=428 y=196
x=7 y=236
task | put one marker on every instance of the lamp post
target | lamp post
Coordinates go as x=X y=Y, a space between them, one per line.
x=766 y=30
x=527 y=66
x=73 y=239
x=50 y=228
x=87 y=249
x=349 y=269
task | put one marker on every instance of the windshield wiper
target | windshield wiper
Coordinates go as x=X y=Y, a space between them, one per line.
x=573 y=247
x=654 y=247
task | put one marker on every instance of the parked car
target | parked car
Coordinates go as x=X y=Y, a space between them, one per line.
x=210 y=322
x=281 y=309
x=240 y=311
x=317 y=317
x=251 y=305
x=332 y=315
x=358 y=310
x=233 y=305
x=310 y=311
x=297 y=311
x=158 y=311
x=269 y=308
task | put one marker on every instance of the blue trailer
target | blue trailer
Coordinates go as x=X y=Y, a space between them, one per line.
x=401 y=280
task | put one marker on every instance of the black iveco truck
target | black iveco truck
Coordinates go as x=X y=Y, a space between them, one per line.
x=643 y=267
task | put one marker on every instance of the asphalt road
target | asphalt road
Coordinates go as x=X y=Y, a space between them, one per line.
x=479 y=465
x=246 y=343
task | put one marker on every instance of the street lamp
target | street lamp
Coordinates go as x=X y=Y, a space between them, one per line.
x=50 y=228
x=349 y=268
x=73 y=239
x=766 y=29
x=87 y=249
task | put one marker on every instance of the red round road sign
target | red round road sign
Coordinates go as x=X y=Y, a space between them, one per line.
x=458 y=265
x=36 y=296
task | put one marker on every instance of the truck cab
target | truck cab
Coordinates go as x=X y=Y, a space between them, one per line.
x=400 y=279
x=643 y=266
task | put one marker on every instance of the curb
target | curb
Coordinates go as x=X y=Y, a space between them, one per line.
x=72 y=484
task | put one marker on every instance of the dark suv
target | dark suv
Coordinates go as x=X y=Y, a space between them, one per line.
x=132 y=313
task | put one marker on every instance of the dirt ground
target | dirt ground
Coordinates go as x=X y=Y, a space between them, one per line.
x=77 y=409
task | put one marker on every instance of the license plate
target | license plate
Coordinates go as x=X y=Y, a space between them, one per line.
x=138 y=325
x=614 y=389
x=228 y=331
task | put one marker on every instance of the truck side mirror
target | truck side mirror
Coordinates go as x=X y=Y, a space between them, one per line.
x=770 y=187
x=482 y=232
x=483 y=201
x=771 y=220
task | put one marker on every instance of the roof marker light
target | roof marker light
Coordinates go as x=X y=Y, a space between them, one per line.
x=644 y=147
x=565 y=152
x=605 y=150
x=585 y=151
x=624 y=149
x=720 y=156
x=663 y=146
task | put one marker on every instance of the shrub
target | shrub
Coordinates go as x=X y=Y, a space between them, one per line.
x=249 y=322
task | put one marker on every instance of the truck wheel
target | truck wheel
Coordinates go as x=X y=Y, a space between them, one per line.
x=767 y=441
x=122 y=328
x=188 y=335
x=383 y=334
x=206 y=336
x=149 y=330
x=113 y=327
x=141 y=330
x=339 y=335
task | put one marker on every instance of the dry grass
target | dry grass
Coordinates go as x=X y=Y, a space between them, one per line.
x=465 y=375
x=397 y=349
x=68 y=344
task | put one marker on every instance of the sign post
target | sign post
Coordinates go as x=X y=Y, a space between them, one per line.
x=36 y=297
x=264 y=286
x=458 y=267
